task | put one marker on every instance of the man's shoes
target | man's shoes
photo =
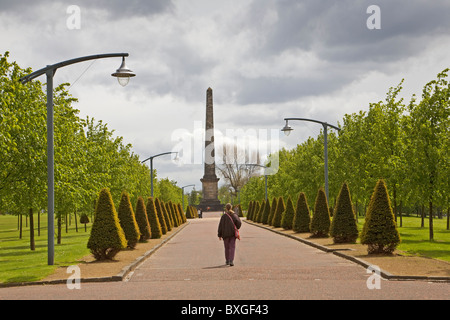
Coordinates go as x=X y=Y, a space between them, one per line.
x=231 y=263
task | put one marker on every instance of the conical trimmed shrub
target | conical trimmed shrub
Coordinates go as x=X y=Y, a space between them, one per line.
x=380 y=230
x=260 y=212
x=320 y=223
x=128 y=221
x=288 y=215
x=302 y=217
x=142 y=220
x=162 y=217
x=276 y=222
x=171 y=212
x=155 y=225
x=273 y=208
x=343 y=226
x=107 y=237
x=266 y=213
x=249 y=210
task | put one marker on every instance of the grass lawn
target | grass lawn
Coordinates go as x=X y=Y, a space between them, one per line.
x=19 y=264
x=415 y=240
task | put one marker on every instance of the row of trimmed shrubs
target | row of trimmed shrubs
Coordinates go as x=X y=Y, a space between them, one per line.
x=379 y=231
x=114 y=230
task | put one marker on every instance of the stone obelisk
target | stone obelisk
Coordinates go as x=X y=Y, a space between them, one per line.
x=210 y=200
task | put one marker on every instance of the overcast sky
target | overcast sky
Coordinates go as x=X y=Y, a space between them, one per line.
x=264 y=59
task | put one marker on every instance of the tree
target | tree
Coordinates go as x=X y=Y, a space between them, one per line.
x=128 y=221
x=288 y=215
x=380 y=230
x=153 y=220
x=107 y=237
x=302 y=218
x=84 y=219
x=320 y=223
x=142 y=220
x=343 y=226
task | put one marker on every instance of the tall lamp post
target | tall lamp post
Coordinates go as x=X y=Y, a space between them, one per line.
x=123 y=74
x=151 y=165
x=182 y=192
x=287 y=131
x=265 y=175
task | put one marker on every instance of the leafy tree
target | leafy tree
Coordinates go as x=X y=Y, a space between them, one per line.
x=84 y=219
x=343 y=226
x=380 y=230
x=107 y=237
x=302 y=218
x=320 y=223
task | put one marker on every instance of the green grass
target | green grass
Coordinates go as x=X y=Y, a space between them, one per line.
x=416 y=240
x=19 y=264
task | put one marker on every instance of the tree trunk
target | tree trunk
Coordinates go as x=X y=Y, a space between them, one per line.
x=59 y=230
x=423 y=216
x=39 y=223
x=76 y=222
x=431 y=221
x=32 y=244
x=20 y=226
x=400 y=213
x=448 y=218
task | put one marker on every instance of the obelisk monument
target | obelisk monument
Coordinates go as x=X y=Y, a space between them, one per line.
x=210 y=200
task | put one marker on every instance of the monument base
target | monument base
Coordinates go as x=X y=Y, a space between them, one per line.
x=210 y=205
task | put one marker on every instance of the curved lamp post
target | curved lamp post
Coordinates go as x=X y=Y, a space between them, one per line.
x=287 y=131
x=182 y=192
x=151 y=165
x=50 y=71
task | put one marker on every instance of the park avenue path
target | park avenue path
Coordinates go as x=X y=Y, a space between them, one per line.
x=191 y=266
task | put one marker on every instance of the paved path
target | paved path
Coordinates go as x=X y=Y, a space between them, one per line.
x=267 y=266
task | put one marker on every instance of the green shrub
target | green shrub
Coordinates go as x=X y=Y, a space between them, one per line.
x=302 y=217
x=320 y=223
x=256 y=210
x=260 y=212
x=380 y=230
x=107 y=237
x=165 y=225
x=266 y=213
x=239 y=210
x=180 y=210
x=171 y=212
x=273 y=208
x=287 y=217
x=276 y=221
x=128 y=221
x=155 y=225
x=344 y=228
x=142 y=220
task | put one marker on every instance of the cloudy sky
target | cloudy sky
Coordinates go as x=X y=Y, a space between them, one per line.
x=264 y=59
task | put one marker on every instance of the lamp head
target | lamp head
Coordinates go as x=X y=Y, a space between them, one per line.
x=123 y=74
x=287 y=129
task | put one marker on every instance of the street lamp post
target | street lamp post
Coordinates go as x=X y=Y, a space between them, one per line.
x=50 y=71
x=151 y=166
x=265 y=175
x=182 y=192
x=287 y=131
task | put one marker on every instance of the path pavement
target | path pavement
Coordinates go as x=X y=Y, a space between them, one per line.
x=267 y=266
